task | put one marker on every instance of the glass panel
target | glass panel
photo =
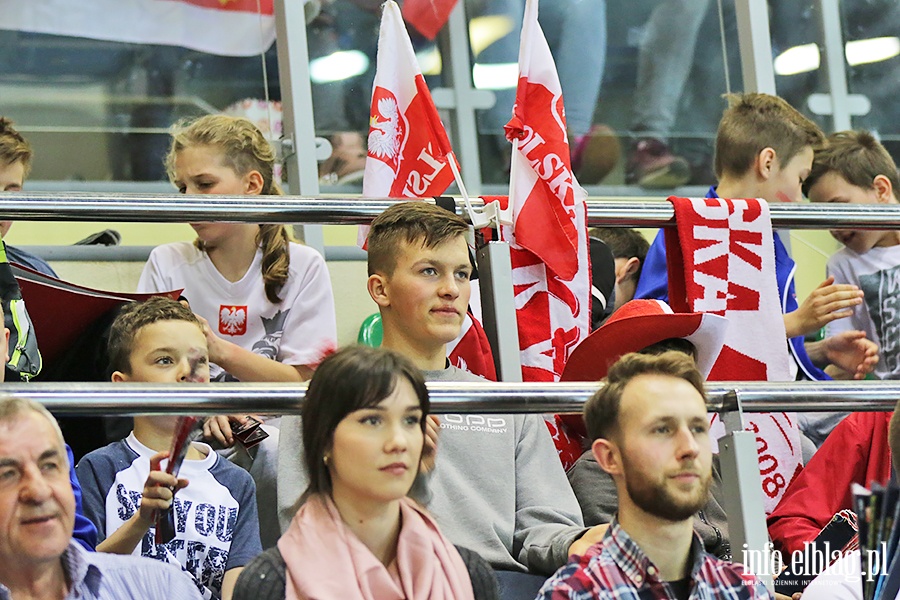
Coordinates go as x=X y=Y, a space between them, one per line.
x=634 y=72
x=872 y=50
x=98 y=109
x=343 y=41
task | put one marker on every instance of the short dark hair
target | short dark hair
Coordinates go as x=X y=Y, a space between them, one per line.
x=351 y=379
x=136 y=315
x=623 y=243
x=601 y=411
x=13 y=146
x=755 y=121
x=857 y=157
x=410 y=223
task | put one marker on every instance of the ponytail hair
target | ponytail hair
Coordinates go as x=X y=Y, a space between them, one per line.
x=244 y=149
x=276 y=258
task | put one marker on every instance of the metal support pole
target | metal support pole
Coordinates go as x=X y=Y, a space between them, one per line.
x=833 y=49
x=838 y=103
x=461 y=98
x=742 y=489
x=756 y=46
x=299 y=141
x=498 y=309
x=757 y=66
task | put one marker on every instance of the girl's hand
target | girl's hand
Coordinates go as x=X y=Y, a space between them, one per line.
x=217 y=346
x=218 y=429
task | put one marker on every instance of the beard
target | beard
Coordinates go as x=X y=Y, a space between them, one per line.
x=654 y=497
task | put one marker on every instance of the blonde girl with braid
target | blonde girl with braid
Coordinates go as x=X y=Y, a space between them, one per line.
x=266 y=301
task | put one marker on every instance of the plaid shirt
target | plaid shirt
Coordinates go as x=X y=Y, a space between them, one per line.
x=617 y=569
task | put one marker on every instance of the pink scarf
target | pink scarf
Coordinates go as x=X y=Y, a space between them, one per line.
x=325 y=560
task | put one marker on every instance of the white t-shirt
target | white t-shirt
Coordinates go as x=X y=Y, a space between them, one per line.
x=298 y=331
x=216 y=518
x=877 y=273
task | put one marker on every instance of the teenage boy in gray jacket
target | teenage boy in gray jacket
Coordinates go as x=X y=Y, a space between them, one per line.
x=498 y=487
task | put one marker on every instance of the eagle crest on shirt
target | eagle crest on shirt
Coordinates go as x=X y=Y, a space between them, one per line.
x=232 y=320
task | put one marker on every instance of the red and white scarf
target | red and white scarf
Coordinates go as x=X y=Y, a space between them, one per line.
x=721 y=260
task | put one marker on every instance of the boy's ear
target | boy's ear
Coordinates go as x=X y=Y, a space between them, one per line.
x=627 y=269
x=607 y=455
x=119 y=377
x=884 y=190
x=377 y=285
x=253 y=183
x=765 y=162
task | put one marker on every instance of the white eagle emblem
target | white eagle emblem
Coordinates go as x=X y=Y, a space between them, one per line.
x=233 y=320
x=384 y=136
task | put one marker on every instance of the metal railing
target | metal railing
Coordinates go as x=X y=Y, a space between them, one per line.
x=177 y=208
x=107 y=398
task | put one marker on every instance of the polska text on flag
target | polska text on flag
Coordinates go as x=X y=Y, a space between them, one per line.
x=548 y=238
x=549 y=244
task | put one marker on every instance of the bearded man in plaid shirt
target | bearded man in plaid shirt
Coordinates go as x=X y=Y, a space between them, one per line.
x=651 y=434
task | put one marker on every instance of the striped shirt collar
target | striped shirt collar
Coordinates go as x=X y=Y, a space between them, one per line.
x=83 y=576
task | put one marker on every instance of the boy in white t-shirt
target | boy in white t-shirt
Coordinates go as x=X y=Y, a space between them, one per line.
x=216 y=521
x=853 y=168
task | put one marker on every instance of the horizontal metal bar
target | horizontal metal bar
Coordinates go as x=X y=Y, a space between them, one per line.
x=141 y=253
x=169 y=208
x=606 y=213
x=272 y=398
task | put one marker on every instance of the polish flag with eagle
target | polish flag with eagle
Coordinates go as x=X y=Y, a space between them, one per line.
x=409 y=156
x=222 y=27
x=548 y=238
x=409 y=151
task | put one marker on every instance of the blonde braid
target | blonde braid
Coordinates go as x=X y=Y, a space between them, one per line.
x=274 y=241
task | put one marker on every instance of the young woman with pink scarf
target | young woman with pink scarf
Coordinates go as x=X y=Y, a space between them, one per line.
x=356 y=534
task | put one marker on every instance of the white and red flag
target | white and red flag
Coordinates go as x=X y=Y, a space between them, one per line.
x=548 y=238
x=409 y=151
x=551 y=274
x=428 y=16
x=223 y=27
x=409 y=155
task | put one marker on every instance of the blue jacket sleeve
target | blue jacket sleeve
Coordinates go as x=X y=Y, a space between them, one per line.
x=654 y=281
x=85 y=533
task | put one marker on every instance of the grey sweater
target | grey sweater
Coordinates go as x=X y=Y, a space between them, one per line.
x=498 y=487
